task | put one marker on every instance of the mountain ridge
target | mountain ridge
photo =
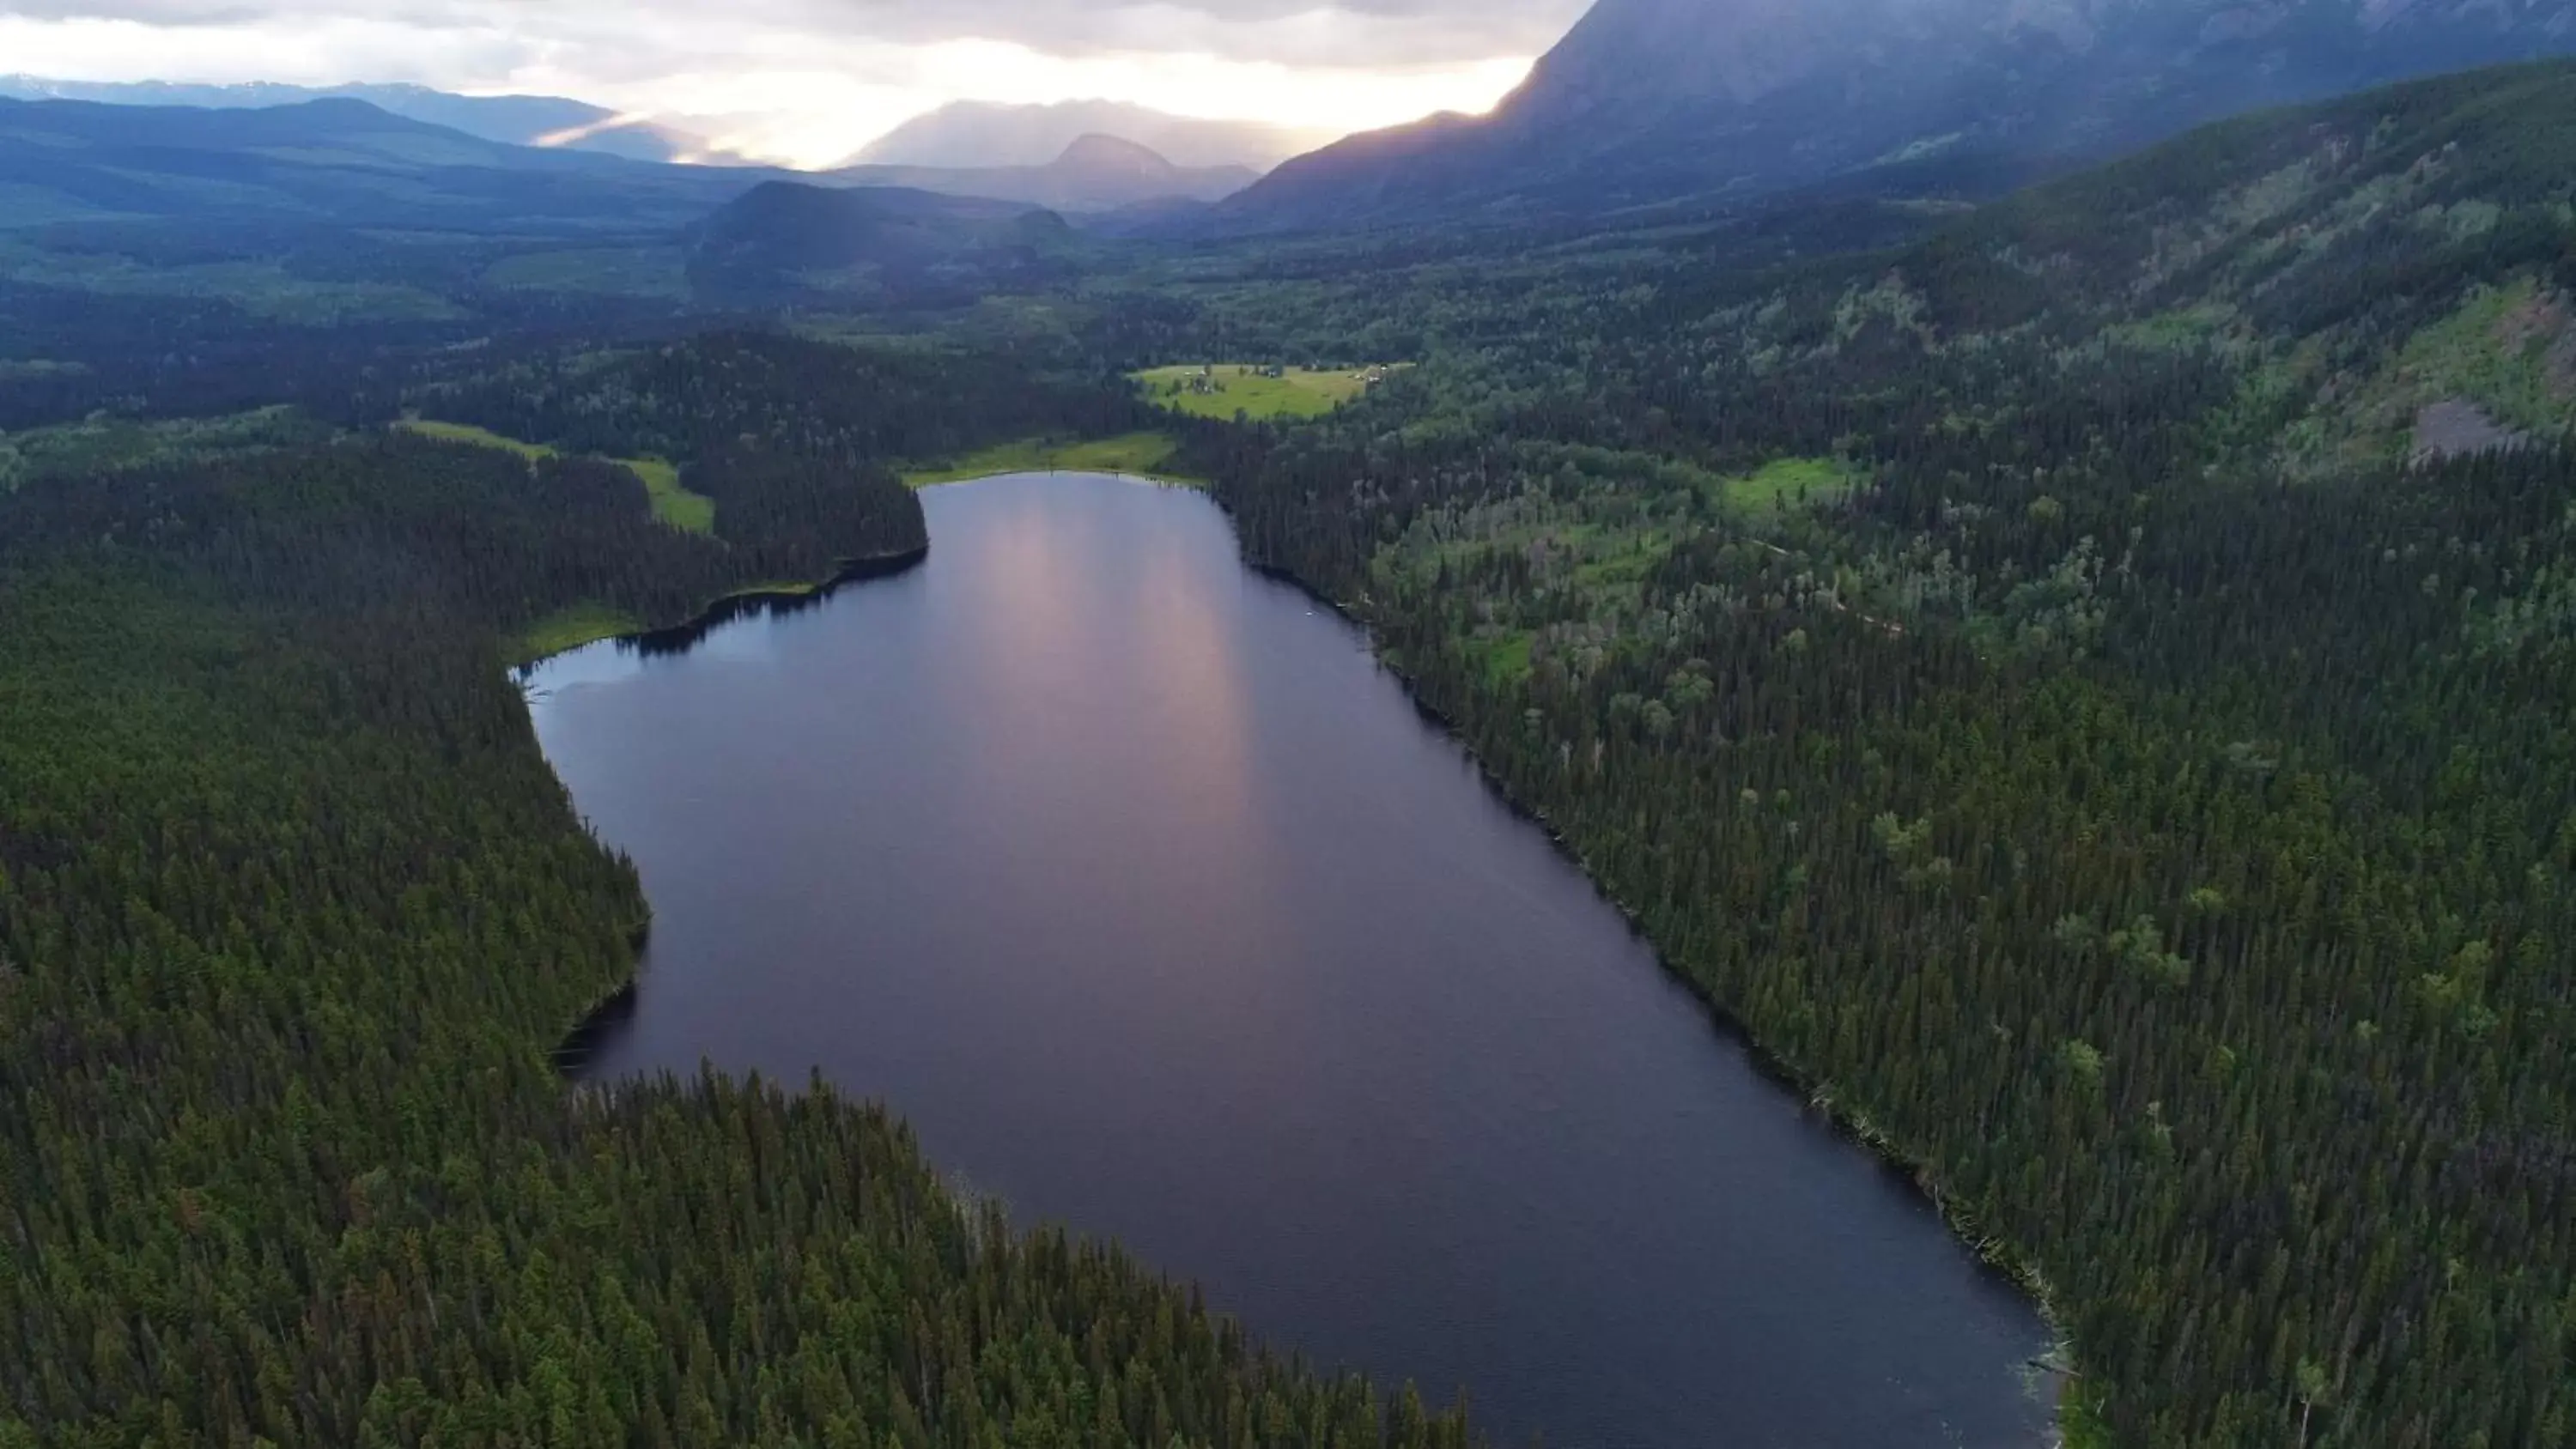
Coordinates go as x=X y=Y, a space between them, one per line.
x=990 y=133
x=334 y=161
x=551 y=122
x=791 y=241
x=1621 y=112
x=1094 y=173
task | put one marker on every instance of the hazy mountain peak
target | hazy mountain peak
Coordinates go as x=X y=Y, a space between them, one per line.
x=988 y=133
x=1099 y=153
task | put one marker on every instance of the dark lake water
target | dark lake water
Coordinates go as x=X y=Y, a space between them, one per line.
x=1131 y=880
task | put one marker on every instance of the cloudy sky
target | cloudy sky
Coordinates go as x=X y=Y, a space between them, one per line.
x=808 y=81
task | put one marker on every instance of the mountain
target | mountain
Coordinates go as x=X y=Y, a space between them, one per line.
x=340 y=162
x=1647 y=100
x=786 y=241
x=984 y=133
x=1094 y=173
x=516 y=120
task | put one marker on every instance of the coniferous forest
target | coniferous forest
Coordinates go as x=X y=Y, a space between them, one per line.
x=292 y=915
x=2039 y=705
x=2084 y=681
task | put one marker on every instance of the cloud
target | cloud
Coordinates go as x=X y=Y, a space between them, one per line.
x=808 y=80
x=1371 y=33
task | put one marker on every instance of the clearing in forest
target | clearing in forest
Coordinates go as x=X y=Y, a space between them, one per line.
x=1784 y=484
x=1222 y=389
x=672 y=504
x=1140 y=455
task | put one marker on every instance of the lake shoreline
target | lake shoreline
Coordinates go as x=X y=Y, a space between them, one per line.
x=757 y=598
x=618 y=1002
x=2005 y=1261
x=573 y=1055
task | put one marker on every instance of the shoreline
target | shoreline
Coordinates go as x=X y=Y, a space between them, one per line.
x=2002 y=1259
x=1159 y=480
x=571 y=1052
x=1994 y=1256
x=752 y=599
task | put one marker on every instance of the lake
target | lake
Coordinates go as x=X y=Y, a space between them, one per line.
x=1132 y=882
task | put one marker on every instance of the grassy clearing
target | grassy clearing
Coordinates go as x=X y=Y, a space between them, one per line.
x=1221 y=390
x=791 y=589
x=1141 y=455
x=570 y=629
x=2498 y=352
x=2177 y=330
x=588 y=623
x=1503 y=655
x=672 y=504
x=479 y=437
x=1785 y=484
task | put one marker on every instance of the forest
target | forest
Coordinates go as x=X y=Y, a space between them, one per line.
x=2039 y=681
x=2081 y=681
x=293 y=914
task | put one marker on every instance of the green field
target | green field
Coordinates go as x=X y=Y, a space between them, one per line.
x=570 y=628
x=479 y=437
x=1784 y=484
x=1140 y=455
x=672 y=504
x=1238 y=387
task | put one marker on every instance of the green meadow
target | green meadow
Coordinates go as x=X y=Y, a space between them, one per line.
x=1142 y=455
x=1221 y=390
x=672 y=504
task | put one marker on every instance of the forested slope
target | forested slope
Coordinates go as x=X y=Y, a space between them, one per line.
x=2060 y=689
x=292 y=912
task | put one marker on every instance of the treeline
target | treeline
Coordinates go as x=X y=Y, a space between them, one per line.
x=292 y=912
x=168 y=355
x=790 y=394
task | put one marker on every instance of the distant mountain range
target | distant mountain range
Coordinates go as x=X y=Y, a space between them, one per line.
x=346 y=162
x=550 y=121
x=1094 y=173
x=277 y=206
x=340 y=163
x=983 y=134
x=1648 y=100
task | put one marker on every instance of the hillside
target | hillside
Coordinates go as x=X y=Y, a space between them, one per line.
x=785 y=242
x=2085 y=688
x=339 y=162
x=1093 y=173
x=513 y=120
x=1646 y=100
x=2373 y=268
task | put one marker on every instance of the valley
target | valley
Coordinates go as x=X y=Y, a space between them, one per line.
x=2052 y=621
